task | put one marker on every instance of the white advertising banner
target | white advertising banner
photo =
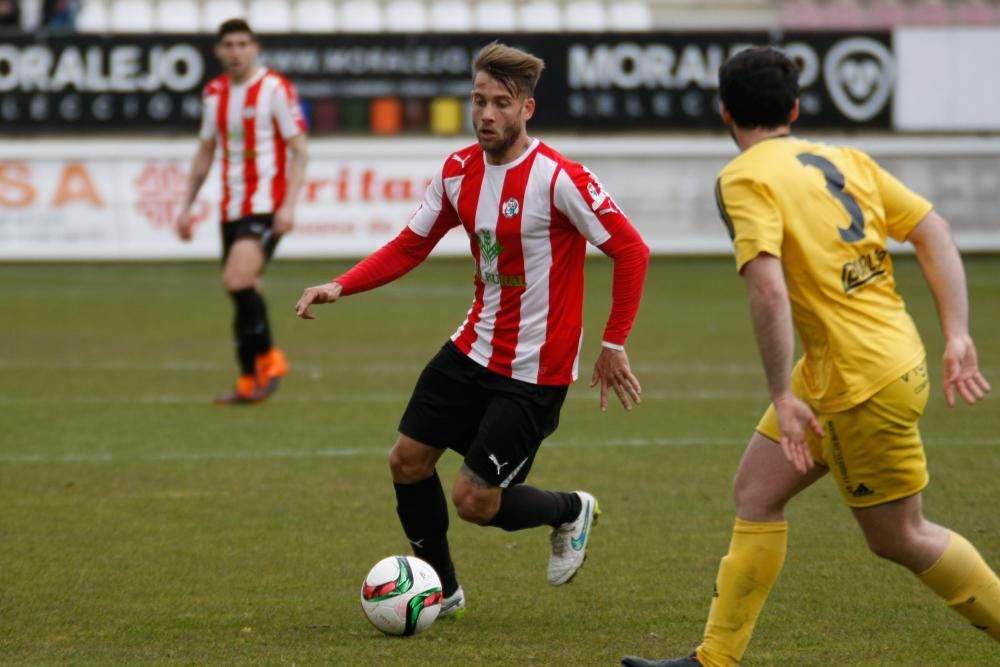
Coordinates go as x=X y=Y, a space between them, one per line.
x=112 y=208
x=947 y=80
x=118 y=199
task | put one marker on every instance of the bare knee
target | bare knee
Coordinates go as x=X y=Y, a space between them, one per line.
x=890 y=546
x=898 y=532
x=410 y=461
x=244 y=264
x=474 y=500
x=234 y=281
x=757 y=501
x=474 y=507
x=913 y=547
x=766 y=481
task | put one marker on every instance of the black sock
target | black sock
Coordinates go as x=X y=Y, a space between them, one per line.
x=523 y=506
x=423 y=511
x=250 y=328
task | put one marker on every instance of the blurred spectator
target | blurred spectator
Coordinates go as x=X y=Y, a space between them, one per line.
x=887 y=14
x=10 y=15
x=59 y=14
x=972 y=12
x=844 y=15
x=928 y=12
x=801 y=15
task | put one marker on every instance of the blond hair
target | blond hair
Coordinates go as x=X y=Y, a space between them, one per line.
x=518 y=71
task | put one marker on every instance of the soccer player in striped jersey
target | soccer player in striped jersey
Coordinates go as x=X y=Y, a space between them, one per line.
x=494 y=391
x=253 y=114
x=809 y=224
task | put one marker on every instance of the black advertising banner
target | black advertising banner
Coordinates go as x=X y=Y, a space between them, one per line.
x=84 y=83
x=360 y=83
x=669 y=81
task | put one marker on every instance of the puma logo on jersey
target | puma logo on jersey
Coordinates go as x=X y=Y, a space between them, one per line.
x=461 y=160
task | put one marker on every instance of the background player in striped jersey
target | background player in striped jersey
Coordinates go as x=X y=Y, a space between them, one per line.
x=253 y=113
x=809 y=224
x=494 y=391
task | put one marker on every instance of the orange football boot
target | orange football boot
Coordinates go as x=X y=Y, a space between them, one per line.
x=271 y=367
x=246 y=390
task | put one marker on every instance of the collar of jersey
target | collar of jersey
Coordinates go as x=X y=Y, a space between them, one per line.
x=516 y=161
x=777 y=136
x=258 y=75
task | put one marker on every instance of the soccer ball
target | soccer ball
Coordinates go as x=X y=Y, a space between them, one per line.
x=401 y=595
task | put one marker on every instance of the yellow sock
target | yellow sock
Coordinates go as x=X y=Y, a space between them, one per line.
x=746 y=573
x=967 y=584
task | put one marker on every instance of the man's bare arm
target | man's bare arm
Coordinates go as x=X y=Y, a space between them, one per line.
x=771 y=313
x=942 y=267
x=284 y=217
x=200 y=166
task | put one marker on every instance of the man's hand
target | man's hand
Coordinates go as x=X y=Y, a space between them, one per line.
x=612 y=371
x=961 y=372
x=327 y=293
x=284 y=219
x=184 y=225
x=794 y=417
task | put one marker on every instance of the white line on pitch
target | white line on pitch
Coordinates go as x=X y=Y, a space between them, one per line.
x=181 y=365
x=104 y=457
x=674 y=442
x=697 y=367
x=112 y=365
x=388 y=368
x=379 y=397
x=175 y=365
x=231 y=455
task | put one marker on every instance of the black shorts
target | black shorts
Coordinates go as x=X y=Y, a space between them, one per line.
x=497 y=423
x=258 y=226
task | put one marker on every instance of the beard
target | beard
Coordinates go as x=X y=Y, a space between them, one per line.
x=238 y=69
x=499 y=143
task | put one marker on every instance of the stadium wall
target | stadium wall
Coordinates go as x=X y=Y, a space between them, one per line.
x=63 y=199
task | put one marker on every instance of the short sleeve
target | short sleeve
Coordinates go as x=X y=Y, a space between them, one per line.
x=209 y=123
x=751 y=216
x=287 y=111
x=904 y=208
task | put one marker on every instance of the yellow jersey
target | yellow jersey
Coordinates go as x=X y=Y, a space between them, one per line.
x=826 y=213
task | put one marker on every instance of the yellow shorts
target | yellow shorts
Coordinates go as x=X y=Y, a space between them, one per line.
x=873 y=449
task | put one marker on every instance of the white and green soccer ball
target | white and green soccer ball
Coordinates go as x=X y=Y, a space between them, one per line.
x=401 y=595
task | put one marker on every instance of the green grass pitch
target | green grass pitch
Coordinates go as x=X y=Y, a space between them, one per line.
x=140 y=525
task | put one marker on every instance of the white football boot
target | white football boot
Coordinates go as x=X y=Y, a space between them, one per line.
x=569 y=541
x=453 y=606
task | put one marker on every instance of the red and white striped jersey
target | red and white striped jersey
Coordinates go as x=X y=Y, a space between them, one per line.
x=252 y=122
x=528 y=224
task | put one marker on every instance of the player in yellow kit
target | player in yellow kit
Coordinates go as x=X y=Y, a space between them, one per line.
x=809 y=224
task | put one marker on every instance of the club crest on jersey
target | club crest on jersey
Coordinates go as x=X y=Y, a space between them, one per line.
x=510 y=208
x=488 y=247
x=249 y=113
